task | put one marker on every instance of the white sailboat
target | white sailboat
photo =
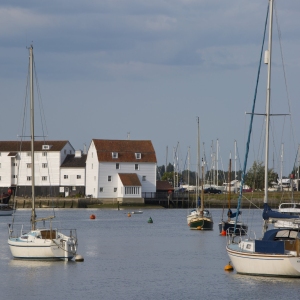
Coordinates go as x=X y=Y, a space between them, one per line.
x=278 y=252
x=40 y=242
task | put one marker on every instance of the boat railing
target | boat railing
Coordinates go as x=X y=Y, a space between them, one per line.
x=16 y=230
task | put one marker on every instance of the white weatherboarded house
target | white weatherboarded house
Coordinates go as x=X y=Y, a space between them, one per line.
x=15 y=165
x=120 y=170
x=72 y=174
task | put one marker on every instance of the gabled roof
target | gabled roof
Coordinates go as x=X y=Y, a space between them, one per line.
x=71 y=161
x=126 y=150
x=129 y=179
x=16 y=146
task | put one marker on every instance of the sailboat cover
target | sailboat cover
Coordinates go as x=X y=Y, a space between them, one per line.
x=268 y=213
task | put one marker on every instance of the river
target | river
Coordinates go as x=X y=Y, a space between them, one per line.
x=127 y=258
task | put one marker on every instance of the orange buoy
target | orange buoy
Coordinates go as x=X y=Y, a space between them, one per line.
x=228 y=267
x=129 y=215
x=92 y=217
x=223 y=232
x=199 y=228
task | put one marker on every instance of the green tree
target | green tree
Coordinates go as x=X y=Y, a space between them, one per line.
x=256 y=174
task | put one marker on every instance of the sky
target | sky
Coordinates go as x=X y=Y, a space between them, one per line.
x=145 y=70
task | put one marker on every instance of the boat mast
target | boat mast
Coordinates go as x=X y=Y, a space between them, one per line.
x=32 y=136
x=198 y=160
x=229 y=186
x=268 y=57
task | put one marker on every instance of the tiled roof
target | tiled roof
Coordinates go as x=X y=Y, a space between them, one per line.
x=126 y=150
x=15 y=146
x=163 y=185
x=129 y=179
x=74 y=162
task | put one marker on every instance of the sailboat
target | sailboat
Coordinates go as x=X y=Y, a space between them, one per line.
x=202 y=218
x=230 y=225
x=40 y=243
x=278 y=252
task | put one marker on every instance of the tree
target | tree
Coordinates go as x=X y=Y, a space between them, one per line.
x=256 y=174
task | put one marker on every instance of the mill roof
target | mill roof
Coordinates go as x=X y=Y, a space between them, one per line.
x=16 y=146
x=126 y=150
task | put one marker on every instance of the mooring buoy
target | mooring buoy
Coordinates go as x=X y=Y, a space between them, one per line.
x=79 y=257
x=228 y=267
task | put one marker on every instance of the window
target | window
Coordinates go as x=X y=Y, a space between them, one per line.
x=73 y=188
x=28 y=178
x=115 y=155
x=78 y=176
x=28 y=153
x=101 y=189
x=65 y=151
x=65 y=176
x=132 y=190
x=0 y=165
x=117 y=166
x=108 y=178
x=138 y=155
x=44 y=154
x=44 y=165
x=14 y=176
x=92 y=154
x=0 y=177
x=136 y=166
x=144 y=178
x=28 y=166
x=14 y=164
x=115 y=189
x=44 y=178
x=92 y=166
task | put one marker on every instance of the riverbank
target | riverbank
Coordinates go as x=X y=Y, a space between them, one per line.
x=250 y=200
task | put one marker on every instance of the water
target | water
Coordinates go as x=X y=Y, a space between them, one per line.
x=127 y=258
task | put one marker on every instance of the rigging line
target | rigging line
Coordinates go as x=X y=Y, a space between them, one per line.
x=41 y=107
x=284 y=73
x=250 y=127
x=43 y=124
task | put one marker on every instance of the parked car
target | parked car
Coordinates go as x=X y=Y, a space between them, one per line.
x=212 y=190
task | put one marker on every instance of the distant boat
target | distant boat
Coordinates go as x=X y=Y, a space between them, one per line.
x=231 y=225
x=5 y=208
x=293 y=210
x=200 y=218
x=137 y=212
x=40 y=243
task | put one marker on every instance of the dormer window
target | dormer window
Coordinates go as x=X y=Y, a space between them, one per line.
x=138 y=155
x=114 y=154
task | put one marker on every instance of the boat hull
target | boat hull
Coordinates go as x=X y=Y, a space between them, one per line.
x=34 y=245
x=264 y=264
x=241 y=229
x=201 y=223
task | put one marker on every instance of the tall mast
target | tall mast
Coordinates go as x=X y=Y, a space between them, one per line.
x=32 y=136
x=268 y=58
x=229 y=180
x=198 y=159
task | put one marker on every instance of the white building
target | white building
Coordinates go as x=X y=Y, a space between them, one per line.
x=72 y=174
x=15 y=165
x=121 y=170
